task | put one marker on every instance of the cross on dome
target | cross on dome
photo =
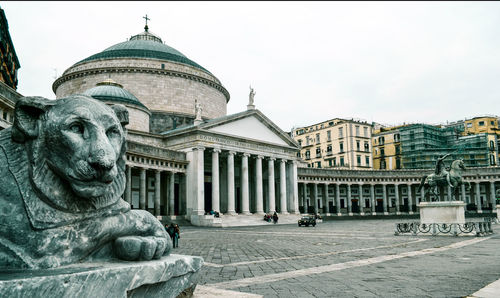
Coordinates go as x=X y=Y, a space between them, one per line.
x=147 y=19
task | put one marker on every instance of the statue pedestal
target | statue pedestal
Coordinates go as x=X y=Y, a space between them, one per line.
x=498 y=213
x=442 y=212
x=166 y=277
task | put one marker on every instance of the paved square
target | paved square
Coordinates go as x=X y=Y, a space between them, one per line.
x=350 y=258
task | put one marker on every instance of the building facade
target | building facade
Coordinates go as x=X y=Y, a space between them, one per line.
x=386 y=144
x=336 y=143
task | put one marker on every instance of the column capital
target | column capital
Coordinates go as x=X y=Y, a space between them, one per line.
x=216 y=150
x=158 y=170
x=283 y=160
x=246 y=154
x=271 y=158
x=231 y=152
x=259 y=156
x=199 y=148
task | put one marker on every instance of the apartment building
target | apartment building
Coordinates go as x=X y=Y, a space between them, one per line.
x=336 y=143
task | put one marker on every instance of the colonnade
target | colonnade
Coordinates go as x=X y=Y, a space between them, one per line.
x=241 y=182
x=164 y=195
x=369 y=197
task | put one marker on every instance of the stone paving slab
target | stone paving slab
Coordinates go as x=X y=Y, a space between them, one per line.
x=358 y=258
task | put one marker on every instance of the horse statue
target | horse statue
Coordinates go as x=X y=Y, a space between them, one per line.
x=434 y=180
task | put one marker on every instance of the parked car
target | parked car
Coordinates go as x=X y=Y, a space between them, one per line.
x=307 y=220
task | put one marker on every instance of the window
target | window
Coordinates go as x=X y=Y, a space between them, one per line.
x=367 y=147
x=357 y=130
x=358 y=146
x=365 y=131
x=480 y=123
x=341 y=132
x=358 y=159
x=318 y=152
x=308 y=154
x=300 y=143
x=329 y=135
x=317 y=138
x=492 y=159
x=330 y=123
x=381 y=140
x=398 y=163
x=341 y=146
x=492 y=123
x=492 y=145
x=162 y=66
x=398 y=150
x=367 y=160
x=397 y=137
x=307 y=141
x=329 y=149
x=318 y=164
x=382 y=164
x=341 y=161
x=334 y=161
x=382 y=151
x=412 y=135
x=330 y=163
x=5 y=115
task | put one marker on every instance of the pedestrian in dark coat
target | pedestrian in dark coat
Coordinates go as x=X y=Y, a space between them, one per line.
x=275 y=217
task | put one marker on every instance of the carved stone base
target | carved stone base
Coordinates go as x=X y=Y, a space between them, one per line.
x=168 y=277
x=442 y=212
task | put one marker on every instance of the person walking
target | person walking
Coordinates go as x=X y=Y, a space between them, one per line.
x=174 y=236
x=177 y=235
x=275 y=217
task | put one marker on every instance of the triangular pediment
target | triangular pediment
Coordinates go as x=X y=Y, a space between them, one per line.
x=251 y=126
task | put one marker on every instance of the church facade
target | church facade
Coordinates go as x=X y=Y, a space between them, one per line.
x=186 y=156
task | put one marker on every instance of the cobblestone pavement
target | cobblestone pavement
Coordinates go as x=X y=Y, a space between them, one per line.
x=350 y=258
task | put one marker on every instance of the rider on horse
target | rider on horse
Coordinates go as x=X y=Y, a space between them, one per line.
x=441 y=169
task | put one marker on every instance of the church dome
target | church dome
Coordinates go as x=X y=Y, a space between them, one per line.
x=143 y=45
x=110 y=91
x=157 y=80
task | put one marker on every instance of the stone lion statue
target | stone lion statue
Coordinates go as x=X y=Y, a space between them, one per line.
x=62 y=174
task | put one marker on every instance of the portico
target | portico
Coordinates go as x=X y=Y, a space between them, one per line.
x=241 y=164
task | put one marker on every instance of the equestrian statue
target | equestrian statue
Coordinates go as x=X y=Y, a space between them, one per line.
x=442 y=176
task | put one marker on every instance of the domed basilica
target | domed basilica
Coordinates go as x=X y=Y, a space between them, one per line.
x=185 y=156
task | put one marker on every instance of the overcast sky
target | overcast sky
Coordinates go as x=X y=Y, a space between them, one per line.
x=388 y=62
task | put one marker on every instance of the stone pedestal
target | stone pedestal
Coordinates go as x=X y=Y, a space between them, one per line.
x=498 y=213
x=166 y=277
x=442 y=212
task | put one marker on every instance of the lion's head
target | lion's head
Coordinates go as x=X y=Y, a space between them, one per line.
x=76 y=148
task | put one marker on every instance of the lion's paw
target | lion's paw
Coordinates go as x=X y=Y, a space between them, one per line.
x=133 y=248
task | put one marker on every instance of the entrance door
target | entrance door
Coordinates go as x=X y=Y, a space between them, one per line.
x=355 y=206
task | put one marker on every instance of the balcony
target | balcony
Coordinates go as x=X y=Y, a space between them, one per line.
x=329 y=153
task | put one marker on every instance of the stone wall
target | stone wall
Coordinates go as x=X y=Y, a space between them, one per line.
x=172 y=89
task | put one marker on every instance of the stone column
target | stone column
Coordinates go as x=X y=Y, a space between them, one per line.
x=295 y=187
x=128 y=191
x=337 y=198
x=230 y=183
x=199 y=182
x=283 y=208
x=372 y=199
x=157 y=192
x=384 y=198
x=349 y=202
x=215 y=180
x=142 y=189
x=410 y=200
x=478 y=198
x=270 y=189
x=182 y=194
x=259 y=196
x=396 y=192
x=422 y=195
x=325 y=198
x=463 y=194
x=245 y=194
x=361 y=202
x=314 y=197
x=449 y=195
x=304 y=199
x=493 y=201
x=171 y=193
